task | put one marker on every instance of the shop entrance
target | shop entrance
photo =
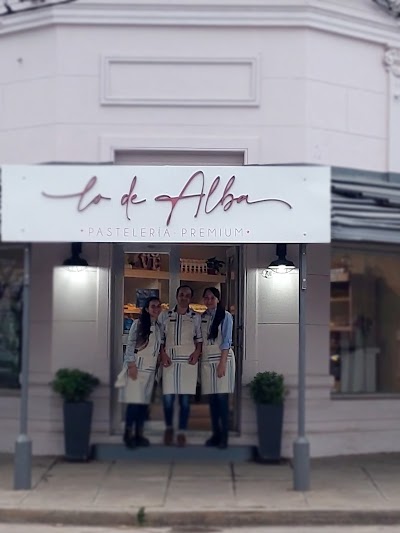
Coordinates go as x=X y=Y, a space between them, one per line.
x=140 y=271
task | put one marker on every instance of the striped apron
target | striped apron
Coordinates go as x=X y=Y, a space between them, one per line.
x=210 y=382
x=140 y=390
x=180 y=377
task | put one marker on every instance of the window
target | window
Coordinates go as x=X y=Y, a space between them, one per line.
x=11 y=285
x=365 y=318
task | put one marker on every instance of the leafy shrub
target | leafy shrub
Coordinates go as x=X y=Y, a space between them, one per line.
x=268 y=388
x=74 y=385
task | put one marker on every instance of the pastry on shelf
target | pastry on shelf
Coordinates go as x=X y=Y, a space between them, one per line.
x=130 y=308
x=199 y=308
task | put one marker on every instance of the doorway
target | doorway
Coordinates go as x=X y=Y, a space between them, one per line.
x=139 y=271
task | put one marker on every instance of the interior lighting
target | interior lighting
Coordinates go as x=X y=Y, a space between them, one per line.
x=281 y=265
x=76 y=263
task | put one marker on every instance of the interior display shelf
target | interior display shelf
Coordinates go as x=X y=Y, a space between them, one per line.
x=184 y=276
x=341 y=328
x=339 y=276
x=132 y=310
x=129 y=310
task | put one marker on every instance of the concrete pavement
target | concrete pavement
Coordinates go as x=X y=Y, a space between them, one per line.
x=23 y=528
x=352 y=490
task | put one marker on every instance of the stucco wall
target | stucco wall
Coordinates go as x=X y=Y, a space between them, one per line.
x=334 y=426
x=69 y=327
x=290 y=85
x=284 y=95
x=272 y=333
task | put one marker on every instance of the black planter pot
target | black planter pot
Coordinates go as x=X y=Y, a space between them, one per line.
x=77 y=426
x=269 y=423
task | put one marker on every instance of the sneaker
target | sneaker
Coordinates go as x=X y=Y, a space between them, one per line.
x=168 y=436
x=212 y=441
x=129 y=439
x=142 y=441
x=181 y=440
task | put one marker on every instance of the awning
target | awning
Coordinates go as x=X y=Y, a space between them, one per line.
x=367 y=210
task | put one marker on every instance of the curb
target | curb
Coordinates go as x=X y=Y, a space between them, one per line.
x=198 y=519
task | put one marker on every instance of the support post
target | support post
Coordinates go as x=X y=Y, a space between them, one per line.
x=174 y=272
x=301 y=447
x=23 y=445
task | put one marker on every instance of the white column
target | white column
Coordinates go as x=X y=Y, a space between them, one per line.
x=392 y=64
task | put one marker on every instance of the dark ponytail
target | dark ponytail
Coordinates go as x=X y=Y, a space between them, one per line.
x=219 y=314
x=144 y=325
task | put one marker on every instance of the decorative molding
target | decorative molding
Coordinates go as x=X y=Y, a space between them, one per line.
x=365 y=21
x=13 y=7
x=392 y=6
x=226 y=80
x=392 y=61
x=110 y=144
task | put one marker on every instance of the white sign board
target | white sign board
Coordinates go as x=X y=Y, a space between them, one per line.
x=164 y=204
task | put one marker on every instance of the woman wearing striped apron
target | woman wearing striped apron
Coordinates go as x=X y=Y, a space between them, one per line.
x=136 y=380
x=217 y=365
x=180 y=353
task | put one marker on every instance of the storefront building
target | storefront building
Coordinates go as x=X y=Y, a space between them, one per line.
x=198 y=84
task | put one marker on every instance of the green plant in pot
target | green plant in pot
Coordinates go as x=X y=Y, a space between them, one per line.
x=214 y=265
x=268 y=392
x=76 y=387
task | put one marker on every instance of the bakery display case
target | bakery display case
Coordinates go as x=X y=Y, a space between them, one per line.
x=149 y=274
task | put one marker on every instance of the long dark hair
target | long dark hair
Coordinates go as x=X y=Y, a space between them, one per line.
x=219 y=314
x=144 y=325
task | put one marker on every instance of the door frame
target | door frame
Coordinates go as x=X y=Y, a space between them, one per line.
x=237 y=253
x=116 y=318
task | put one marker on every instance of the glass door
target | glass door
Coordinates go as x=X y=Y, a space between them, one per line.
x=139 y=271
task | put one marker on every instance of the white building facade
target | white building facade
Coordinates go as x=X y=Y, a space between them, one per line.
x=234 y=83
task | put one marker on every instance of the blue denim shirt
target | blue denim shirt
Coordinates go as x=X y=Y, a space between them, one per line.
x=226 y=327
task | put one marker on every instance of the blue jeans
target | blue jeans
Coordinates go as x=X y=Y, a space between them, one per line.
x=219 y=412
x=184 y=410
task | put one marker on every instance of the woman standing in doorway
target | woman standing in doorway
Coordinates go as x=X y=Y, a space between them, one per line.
x=217 y=364
x=136 y=379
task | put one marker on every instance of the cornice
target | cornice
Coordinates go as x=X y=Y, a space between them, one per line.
x=392 y=6
x=392 y=61
x=334 y=16
x=11 y=7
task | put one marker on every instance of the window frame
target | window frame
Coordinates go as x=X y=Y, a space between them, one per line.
x=361 y=247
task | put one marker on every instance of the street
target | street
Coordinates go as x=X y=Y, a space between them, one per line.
x=27 y=528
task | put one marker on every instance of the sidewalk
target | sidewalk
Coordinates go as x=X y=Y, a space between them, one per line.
x=349 y=490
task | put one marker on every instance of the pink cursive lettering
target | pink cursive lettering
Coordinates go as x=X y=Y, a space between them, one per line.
x=182 y=196
x=226 y=200
x=82 y=195
x=131 y=198
x=205 y=201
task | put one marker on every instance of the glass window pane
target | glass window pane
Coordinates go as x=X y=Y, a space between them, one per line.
x=11 y=285
x=365 y=319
